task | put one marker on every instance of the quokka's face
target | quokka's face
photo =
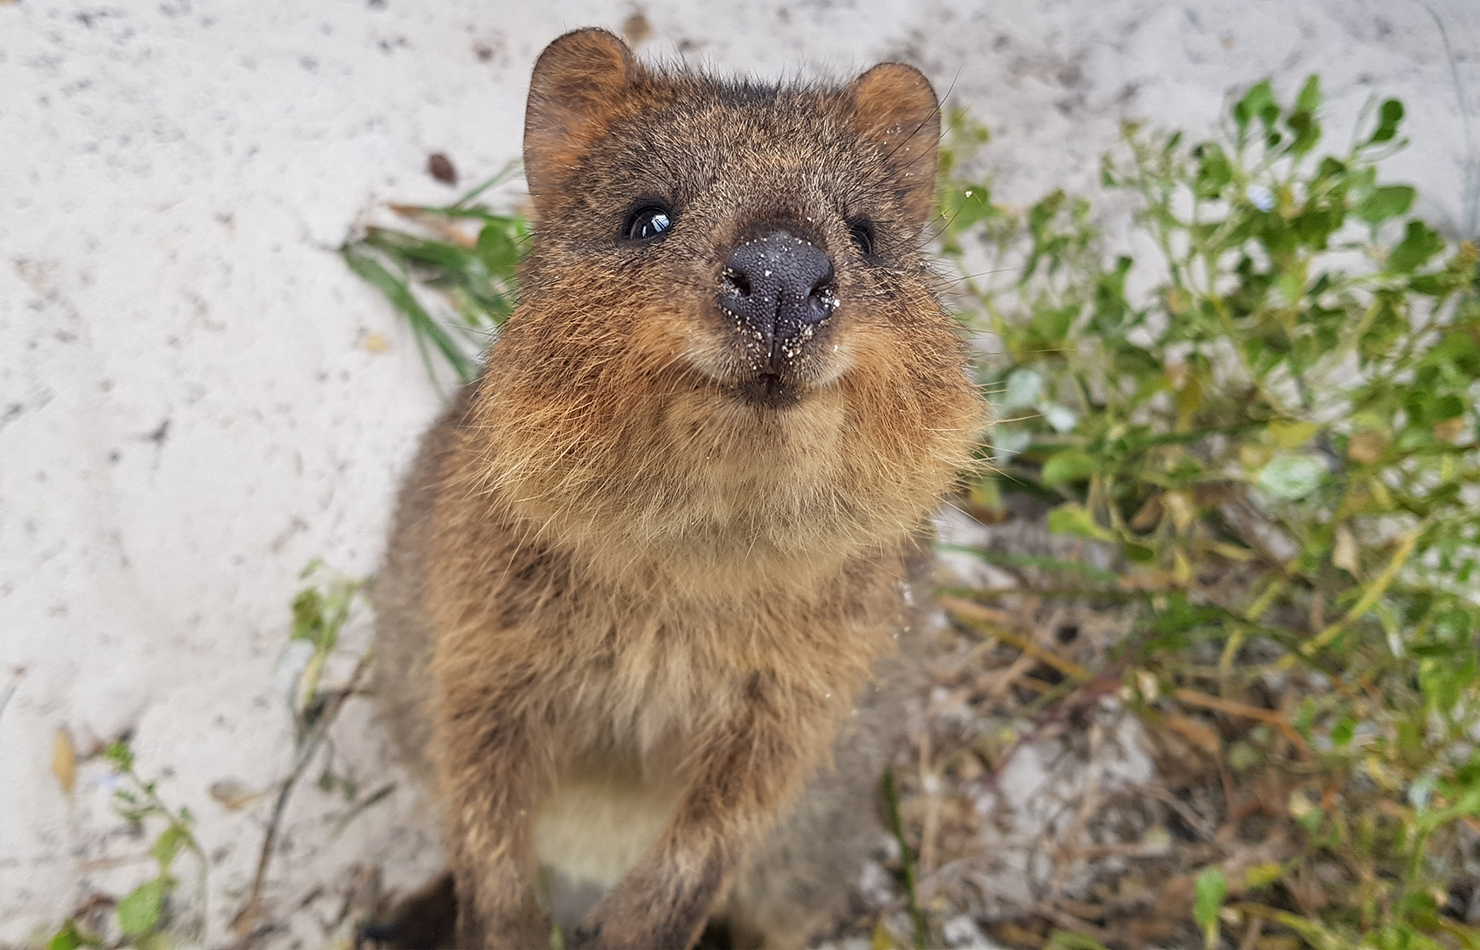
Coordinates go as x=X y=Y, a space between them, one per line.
x=763 y=240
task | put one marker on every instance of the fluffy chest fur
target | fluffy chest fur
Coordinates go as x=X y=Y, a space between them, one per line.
x=628 y=666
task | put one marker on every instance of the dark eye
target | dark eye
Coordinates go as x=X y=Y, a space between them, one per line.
x=647 y=223
x=861 y=231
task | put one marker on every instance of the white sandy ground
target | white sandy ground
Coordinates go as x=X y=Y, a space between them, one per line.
x=188 y=412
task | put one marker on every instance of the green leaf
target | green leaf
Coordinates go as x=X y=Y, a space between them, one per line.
x=140 y=911
x=1214 y=170
x=1290 y=434
x=1051 y=325
x=1307 y=132
x=1427 y=409
x=967 y=205
x=1309 y=99
x=497 y=248
x=1302 y=121
x=1389 y=116
x=120 y=755
x=1420 y=242
x=1210 y=889
x=1111 y=306
x=1258 y=103
x=1070 y=465
x=1387 y=325
x=169 y=843
x=1386 y=202
x=1263 y=875
x=1044 y=211
x=308 y=615
x=1292 y=477
x=1073 y=518
x=68 y=938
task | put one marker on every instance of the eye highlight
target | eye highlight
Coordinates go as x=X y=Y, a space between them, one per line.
x=648 y=222
x=861 y=230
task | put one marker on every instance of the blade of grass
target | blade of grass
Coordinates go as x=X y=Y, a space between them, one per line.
x=507 y=173
x=1372 y=592
x=906 y=861
x=422 y=323
x=1041 y=561
x=439 y=254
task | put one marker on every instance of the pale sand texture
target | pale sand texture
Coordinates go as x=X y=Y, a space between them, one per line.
x=188 y=414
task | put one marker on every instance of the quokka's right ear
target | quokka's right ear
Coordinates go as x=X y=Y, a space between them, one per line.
x=896 y=110
x=578 y=82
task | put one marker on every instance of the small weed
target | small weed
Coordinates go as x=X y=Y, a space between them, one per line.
x=473 y=273
x=148 y=916
x=151 y=915
x=320 y=611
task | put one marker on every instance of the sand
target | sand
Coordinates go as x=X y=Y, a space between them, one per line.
x=190 y=412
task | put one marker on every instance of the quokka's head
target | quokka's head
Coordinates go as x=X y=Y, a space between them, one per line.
x=728 y=345
x=762 y=239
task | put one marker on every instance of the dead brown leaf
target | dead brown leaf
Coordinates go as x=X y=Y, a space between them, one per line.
x=1200 y=735
x=64 y=760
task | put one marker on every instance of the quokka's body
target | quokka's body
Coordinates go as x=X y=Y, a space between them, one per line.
x=644 y=567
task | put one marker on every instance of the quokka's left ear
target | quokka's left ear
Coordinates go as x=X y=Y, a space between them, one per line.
x=895 y=109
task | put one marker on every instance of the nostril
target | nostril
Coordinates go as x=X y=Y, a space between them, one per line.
x=736 y=282
x=823 y=298
x=821 y=303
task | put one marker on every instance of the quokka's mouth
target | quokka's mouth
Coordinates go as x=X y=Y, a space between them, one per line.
x=769 y=391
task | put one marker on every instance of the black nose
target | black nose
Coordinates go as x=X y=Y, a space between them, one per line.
x=779 y=287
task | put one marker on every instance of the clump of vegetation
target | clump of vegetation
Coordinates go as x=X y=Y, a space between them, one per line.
x=472 y=270
x=320 y=611
x=151 y=915
x=155 y=914
x=1276 y=441
x=1262 y=434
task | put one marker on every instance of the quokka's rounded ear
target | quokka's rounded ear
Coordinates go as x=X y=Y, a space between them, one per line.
x=895 y=109
x=578 y=81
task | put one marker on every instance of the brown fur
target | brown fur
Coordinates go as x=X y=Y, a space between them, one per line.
x=618 y=579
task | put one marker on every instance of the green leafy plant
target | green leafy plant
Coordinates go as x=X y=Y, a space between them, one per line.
x=320 y=611
x=148 y=916
x=472 y=272
x=1210 y=890
x=151 y=915
x=1275 y=439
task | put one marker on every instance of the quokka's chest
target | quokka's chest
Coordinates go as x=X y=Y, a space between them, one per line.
x=591 y=829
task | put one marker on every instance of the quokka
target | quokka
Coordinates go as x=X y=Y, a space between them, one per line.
x=648 y=564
